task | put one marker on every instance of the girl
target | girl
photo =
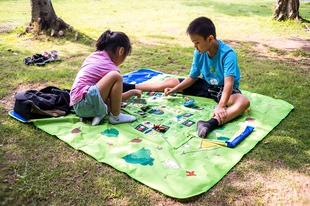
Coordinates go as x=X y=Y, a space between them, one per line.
x=97 y=88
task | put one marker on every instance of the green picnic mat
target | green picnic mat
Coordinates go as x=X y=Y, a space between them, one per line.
x=173 y=160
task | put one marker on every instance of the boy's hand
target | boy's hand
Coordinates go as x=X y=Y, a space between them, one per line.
x=220 y=114
x=168 y=91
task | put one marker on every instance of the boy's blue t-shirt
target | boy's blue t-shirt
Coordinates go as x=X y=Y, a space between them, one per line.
x=215 y=69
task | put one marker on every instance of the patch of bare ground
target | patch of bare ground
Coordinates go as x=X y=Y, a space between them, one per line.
x=291 y=44
x=279 y=186
x=8 y=101
x=296 y=51
x=7 y=27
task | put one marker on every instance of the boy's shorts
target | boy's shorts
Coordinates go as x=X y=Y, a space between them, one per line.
x=91 y=105
x=201 y=88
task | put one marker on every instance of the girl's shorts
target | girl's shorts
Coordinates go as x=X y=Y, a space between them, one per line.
x=91 y=105
x=201 y=88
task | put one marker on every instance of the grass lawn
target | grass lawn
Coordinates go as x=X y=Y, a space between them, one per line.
x=274 y=57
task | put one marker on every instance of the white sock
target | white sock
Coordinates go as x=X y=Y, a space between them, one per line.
x=97 y=119
x=121 y=118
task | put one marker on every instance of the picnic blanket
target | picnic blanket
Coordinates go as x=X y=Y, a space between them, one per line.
x=162 y=149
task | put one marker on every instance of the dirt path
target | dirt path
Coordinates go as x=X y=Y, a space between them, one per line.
x=291 y=44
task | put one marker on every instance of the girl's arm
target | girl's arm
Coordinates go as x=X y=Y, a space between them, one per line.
x=130 y=93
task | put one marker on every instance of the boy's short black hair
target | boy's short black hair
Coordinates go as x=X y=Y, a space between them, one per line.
x=202 y=26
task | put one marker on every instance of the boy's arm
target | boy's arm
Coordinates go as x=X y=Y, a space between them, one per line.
x=228 y=87
x=187 y=82
x=220 y=112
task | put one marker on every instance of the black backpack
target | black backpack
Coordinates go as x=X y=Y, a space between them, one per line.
x=48 y=102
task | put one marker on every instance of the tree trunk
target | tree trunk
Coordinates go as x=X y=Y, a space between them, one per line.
x=287 y=9
x=44 y=18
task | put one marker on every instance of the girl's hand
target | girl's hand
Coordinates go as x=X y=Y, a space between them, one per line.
x=136 y=92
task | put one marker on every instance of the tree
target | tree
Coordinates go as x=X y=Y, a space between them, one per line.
x=44 y=18
x=287 y=9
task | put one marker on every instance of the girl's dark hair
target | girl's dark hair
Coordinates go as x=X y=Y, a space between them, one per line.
x=111 y=41
x=202 y=26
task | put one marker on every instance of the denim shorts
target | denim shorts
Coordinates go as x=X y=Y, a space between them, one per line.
x=91 y=105
x=201 y=88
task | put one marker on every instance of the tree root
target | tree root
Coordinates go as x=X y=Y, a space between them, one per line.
x=61 y=26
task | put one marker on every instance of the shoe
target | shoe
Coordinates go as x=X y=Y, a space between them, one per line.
x=28 y=61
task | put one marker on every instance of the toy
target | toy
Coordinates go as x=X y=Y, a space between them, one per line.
x=188 y=102
x=159 y=127
x=145 y=108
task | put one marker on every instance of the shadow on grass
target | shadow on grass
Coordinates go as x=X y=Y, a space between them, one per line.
x=57 y=171
x=278 y=76
x=80 y=39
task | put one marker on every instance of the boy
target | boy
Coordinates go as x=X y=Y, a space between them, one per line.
x=217 y=63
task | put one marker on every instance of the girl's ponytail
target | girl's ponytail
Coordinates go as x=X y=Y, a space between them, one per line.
x=103 y=40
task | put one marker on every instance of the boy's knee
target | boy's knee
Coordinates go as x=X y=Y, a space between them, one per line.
x=246 y=103
x=242 y=102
